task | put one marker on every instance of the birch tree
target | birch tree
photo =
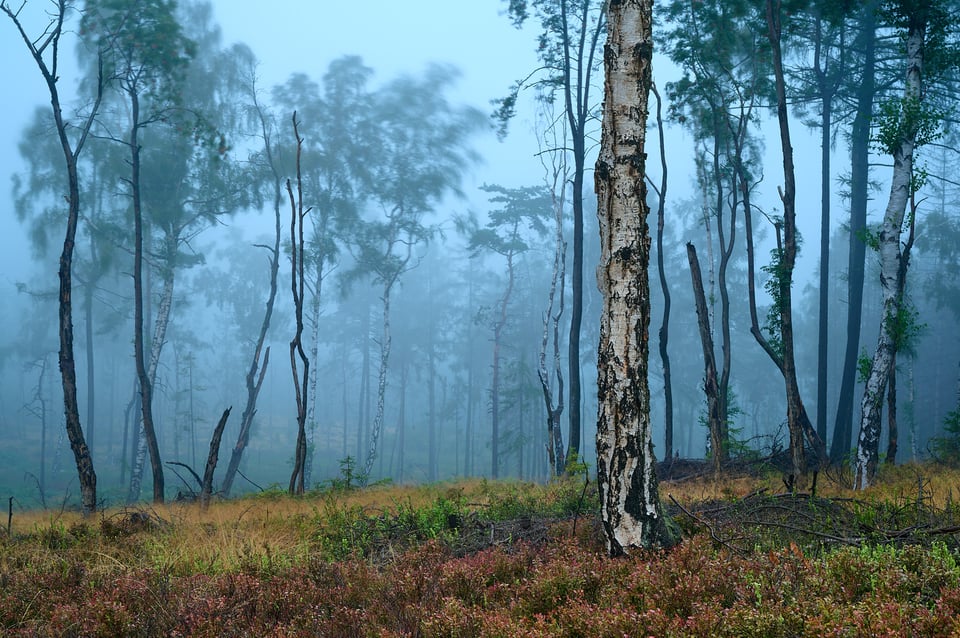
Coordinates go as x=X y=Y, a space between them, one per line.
x=905 y=125
x=626 y=468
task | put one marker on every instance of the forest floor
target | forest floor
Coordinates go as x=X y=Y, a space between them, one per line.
x=498 y=558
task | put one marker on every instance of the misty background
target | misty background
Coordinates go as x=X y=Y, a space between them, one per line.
x=480 y=231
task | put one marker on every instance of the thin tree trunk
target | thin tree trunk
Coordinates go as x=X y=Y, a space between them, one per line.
x=254 y=380
x=860 y=140
x=432 y=469
x=498 y=327
x=314 y=349
x=664 y=332
x=363 y=408
x=301 y=372
x=626 y=467
x=206 y=487
x=146 y=383
x=385 y=343
x=577 y=85
x=711 y=385
x=797 y=420
x=827 y=90
x=156 y=348
x=551 y=323
x=50 y=40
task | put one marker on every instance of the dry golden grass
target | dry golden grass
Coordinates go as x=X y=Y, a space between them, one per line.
x=266 y=531
x=271 y=531
x=938 y=485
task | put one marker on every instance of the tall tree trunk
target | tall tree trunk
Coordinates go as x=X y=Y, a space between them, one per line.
x=827 y=88
x=156 y=349
x=664 y=332
x=626 y=468
x=498 y=327
x=363 y=406
x=797 y=420
x=432 y=469
x=382 y=369
x=860 y=139
x=88 y=338
x=299 y=363
x=711 y=385
x=551 y=321
x=892 y=262
x=258 y=368
x=146 y=383
x=314 y=349
x=50 y=40
x=576 y=86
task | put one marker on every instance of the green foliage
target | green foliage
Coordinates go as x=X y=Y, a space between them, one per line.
x=775 y=286
x=905 y=327
x=947 y=447
x=350 y=478
x=907 y=118
x=864 y=365
x=143 y=45
x=522 y=211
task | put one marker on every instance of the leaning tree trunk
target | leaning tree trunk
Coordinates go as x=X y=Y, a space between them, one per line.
x=891 y=264
x=68 y=369
x=626 y=468
x=206 y=486
x=258 y=368
x=711 y=385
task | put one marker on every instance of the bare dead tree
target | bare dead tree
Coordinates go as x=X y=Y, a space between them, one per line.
x=206 y=488
x=711 y=385
x=258 y=368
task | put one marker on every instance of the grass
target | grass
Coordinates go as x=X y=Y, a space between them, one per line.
x=471 y=558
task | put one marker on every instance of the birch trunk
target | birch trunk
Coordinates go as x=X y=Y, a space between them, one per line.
x=146 y=379
x=890 y=265
x=385 y=343
x=147 y=439
x=630 y=503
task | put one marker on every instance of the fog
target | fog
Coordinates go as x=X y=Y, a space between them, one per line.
x=435 y=306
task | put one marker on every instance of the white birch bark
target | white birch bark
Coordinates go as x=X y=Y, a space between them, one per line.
x=630 y=503
x=890 y=258
x=156 y=349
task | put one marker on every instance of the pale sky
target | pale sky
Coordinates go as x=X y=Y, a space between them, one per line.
x=392 y=38
x=290 y=36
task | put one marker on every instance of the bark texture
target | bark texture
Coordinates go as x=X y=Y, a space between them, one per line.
x=630 y=503
x=891 y=257
x=711 y=386
x=38 y=48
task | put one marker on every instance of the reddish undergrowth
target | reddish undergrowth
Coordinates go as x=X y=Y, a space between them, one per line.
x=85 y=581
